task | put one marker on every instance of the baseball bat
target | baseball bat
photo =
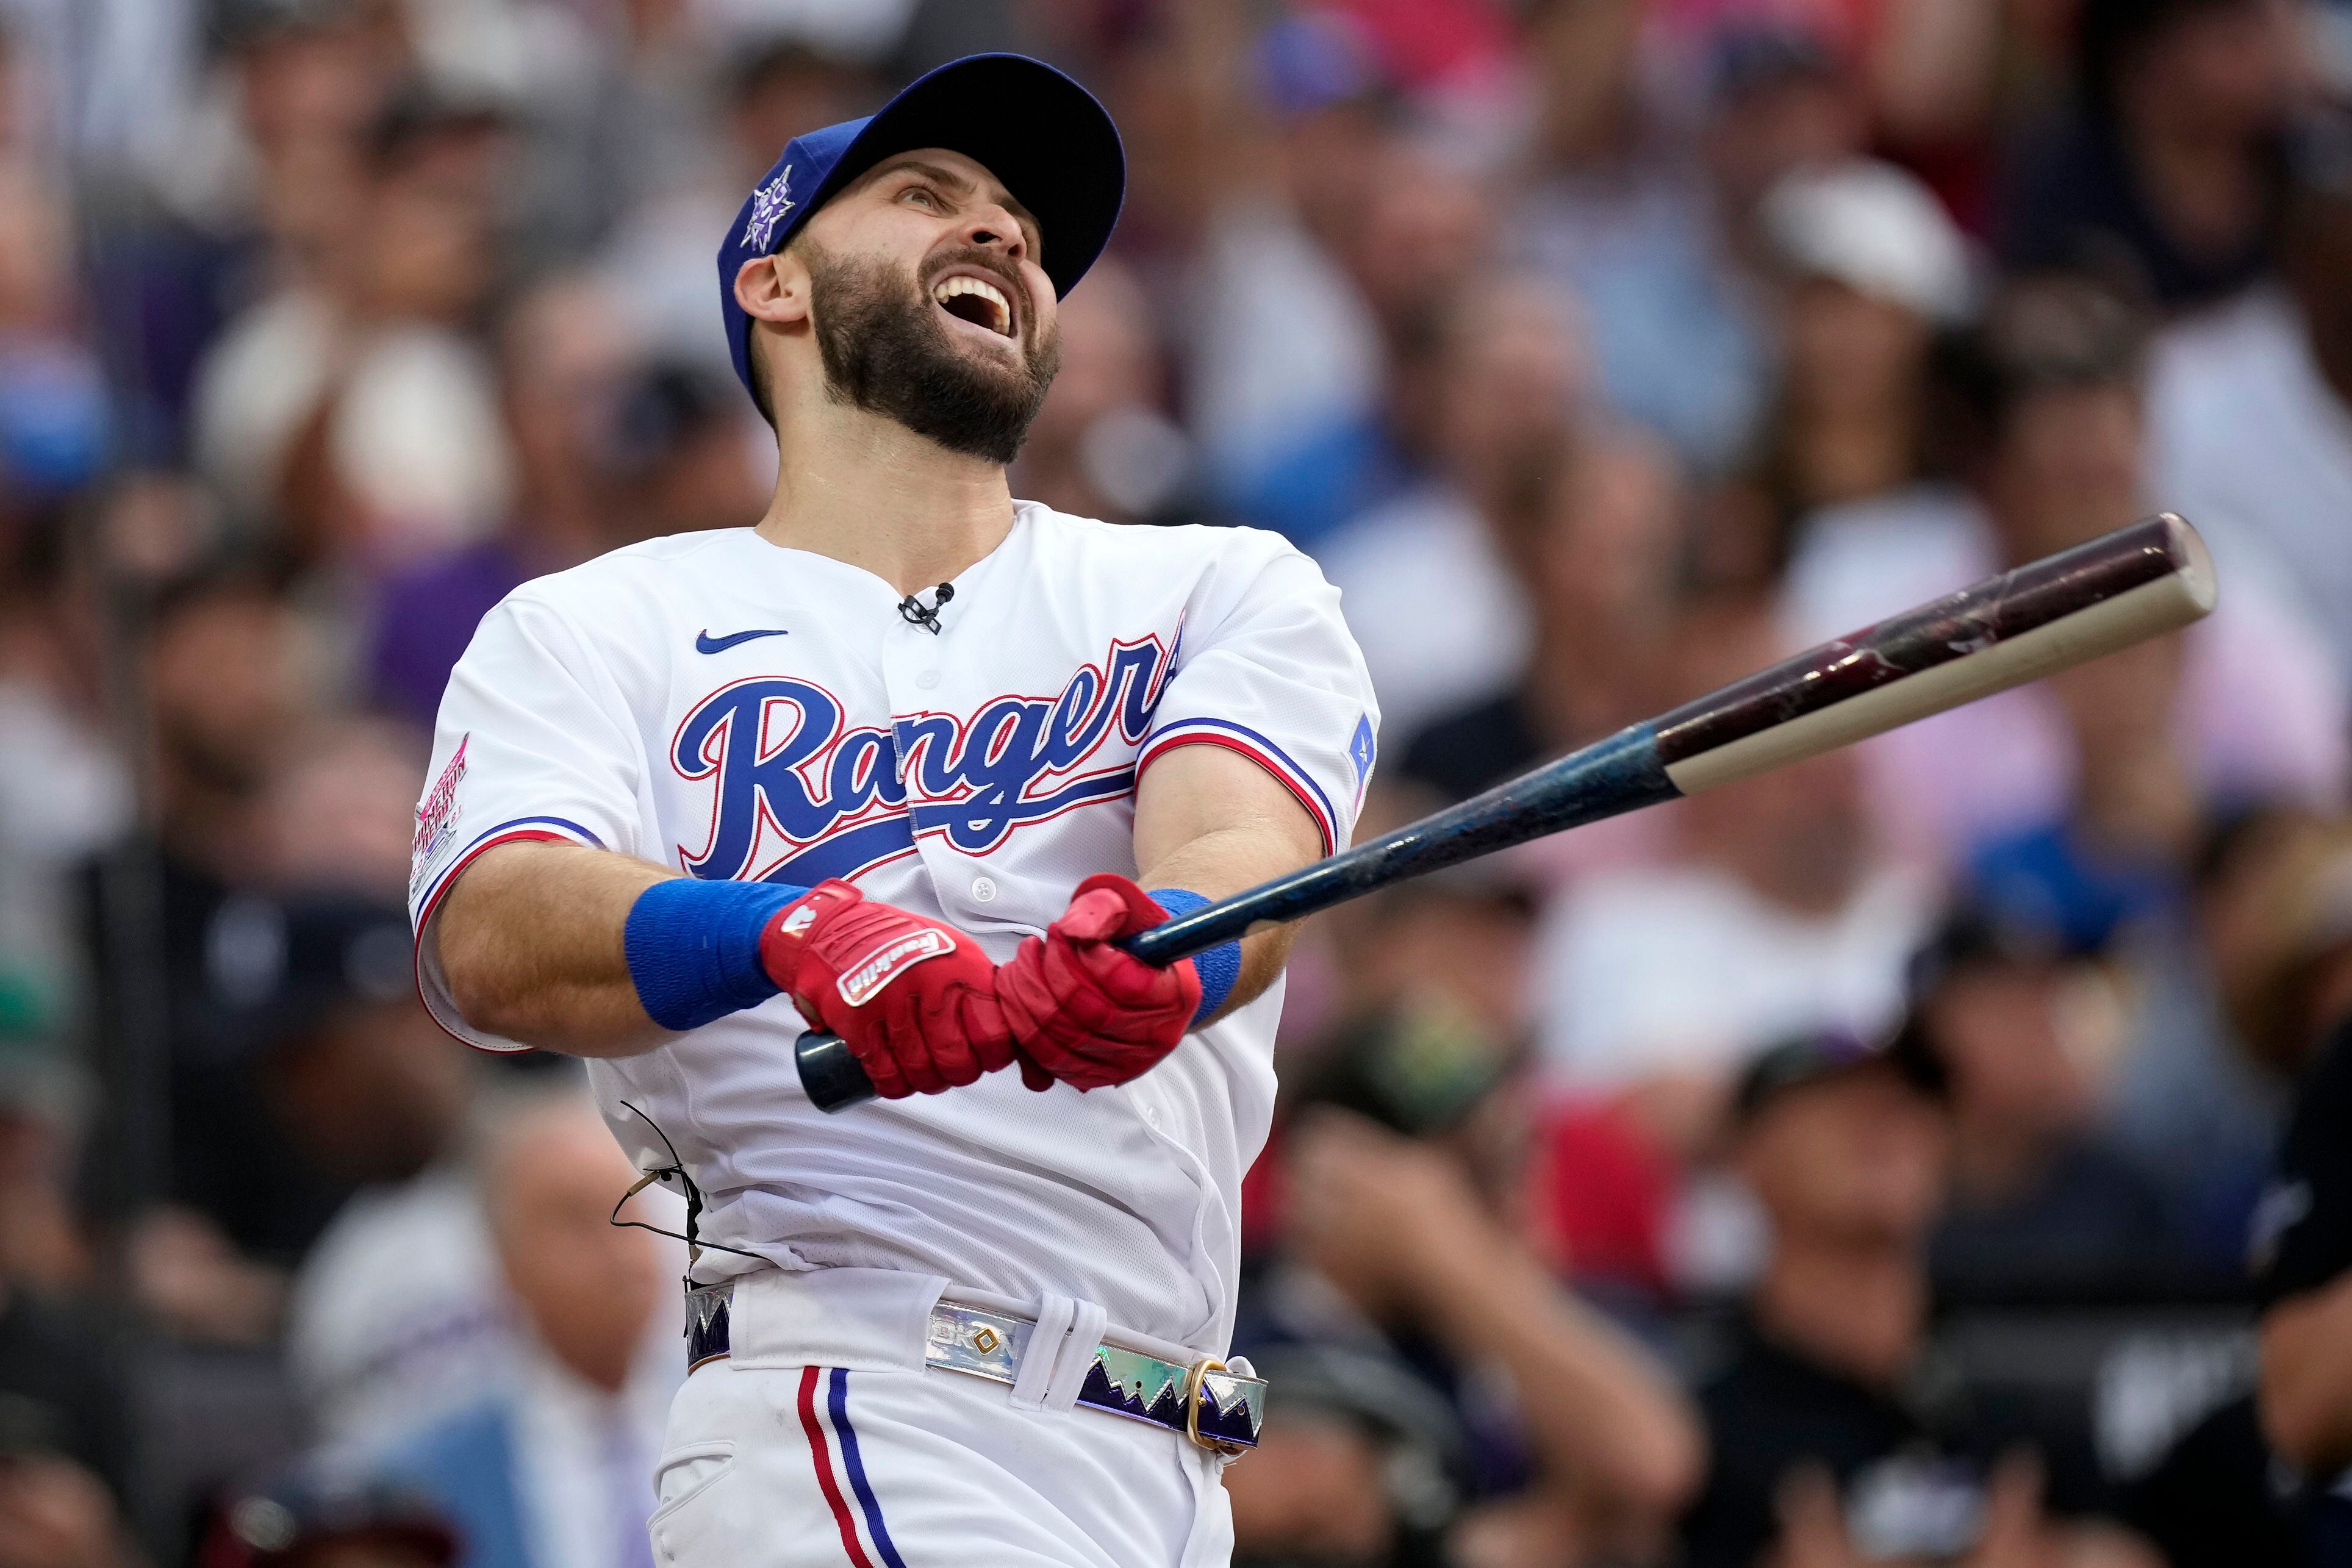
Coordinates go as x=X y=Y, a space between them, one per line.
x=2141 y=581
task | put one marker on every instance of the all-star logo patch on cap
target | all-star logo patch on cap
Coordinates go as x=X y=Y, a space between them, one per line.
x=1053 y=147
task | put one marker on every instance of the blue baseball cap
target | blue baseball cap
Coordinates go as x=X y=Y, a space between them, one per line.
x=1041 y=133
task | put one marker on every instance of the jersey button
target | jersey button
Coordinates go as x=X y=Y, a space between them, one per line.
x=983 y=890
x=928 y=679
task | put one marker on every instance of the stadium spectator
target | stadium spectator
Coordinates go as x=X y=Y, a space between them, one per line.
x=679 y=456
x=1597 y=562
x=561 y=357
x=303 y=1068
x=1872 y=269
x=398 y=1317
x=1407 y=1237
x=354 y=412
x=338 y=811
x=1829 y=1442
x=556 y=1466
x=655 y=257
x=44 y=1108
x=401 y=1315
x=1281 y=353
x=1651 y=233
x=1102 y=446
x=2164 y=180
x=55 y=422
x=2250 y=412
x=613 y=452
x=2191 y=1104
x=1499 y=395
x=2027 y=1029
x=1420 y=234
x=2294 y=1009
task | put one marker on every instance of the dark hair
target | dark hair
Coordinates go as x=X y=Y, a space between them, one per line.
x=665 y=404
x=2111 y=31
x=2040 y=333
x=780 y=59
x=233 y=572
x=419 y=113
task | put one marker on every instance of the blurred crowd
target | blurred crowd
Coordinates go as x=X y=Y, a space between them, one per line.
x=1933 y=1152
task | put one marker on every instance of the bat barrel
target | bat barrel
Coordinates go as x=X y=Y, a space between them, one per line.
x=2137 y=583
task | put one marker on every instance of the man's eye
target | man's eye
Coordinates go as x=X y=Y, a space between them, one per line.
x=919 y=195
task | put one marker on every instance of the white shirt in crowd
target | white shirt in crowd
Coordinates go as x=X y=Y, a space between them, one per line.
x=585 y=1458
x=1682 y=967
x=401 y=1314
x=2252 y=444
x=1441 y=619
x=741 y=710
x=1282 y=346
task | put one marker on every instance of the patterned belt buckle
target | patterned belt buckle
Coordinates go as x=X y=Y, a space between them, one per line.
x=1198 y=1391
x=707 y=1324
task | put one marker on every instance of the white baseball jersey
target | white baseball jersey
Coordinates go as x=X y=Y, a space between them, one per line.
x=718 y=703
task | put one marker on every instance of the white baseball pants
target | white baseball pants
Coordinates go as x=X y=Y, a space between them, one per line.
x=824 y=1439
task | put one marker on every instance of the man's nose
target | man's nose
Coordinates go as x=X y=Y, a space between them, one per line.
x=992 y=228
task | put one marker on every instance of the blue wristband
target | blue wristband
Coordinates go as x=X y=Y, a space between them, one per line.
x=1219 y=968
x=693 y=948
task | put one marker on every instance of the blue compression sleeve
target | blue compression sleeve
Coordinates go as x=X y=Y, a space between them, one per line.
x=694 y=947
x=1218 y=967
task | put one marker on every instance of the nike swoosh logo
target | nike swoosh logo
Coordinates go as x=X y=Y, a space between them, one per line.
x=706 y=643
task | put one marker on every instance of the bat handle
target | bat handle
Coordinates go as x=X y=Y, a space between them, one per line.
x=830 y=1075
x=834 y=1081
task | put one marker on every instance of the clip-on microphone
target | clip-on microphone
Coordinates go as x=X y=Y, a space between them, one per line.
x=918 y=613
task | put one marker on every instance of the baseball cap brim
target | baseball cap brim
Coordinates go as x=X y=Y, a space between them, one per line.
x=1819 y=1056
x=1039 y=132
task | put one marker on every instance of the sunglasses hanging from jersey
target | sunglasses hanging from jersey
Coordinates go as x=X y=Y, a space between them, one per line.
x=676 y=1168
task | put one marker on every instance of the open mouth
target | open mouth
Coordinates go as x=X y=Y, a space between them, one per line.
x=976 y=301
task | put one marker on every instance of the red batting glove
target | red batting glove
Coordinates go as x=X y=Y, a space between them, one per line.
x=914 y=998
x=1084 y=1011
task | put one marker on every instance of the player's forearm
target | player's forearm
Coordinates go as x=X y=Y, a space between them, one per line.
x=1214 y=823
x=1606 y=1418
x=531 y=941
x=1227 y=862
x=2306 y=1377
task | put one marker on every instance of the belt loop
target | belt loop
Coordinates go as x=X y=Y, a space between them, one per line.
x=1078 y=1355
x=1035 y=1374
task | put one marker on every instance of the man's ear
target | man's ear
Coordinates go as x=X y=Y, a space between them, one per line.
x=774 y=288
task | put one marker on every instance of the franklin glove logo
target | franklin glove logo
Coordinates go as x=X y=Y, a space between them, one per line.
x=860 y=984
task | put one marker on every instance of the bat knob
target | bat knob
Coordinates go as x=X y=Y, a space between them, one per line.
x=832 y=1076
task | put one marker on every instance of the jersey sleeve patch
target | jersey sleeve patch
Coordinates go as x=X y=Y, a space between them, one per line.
x=436 y=822
x=1363 y=749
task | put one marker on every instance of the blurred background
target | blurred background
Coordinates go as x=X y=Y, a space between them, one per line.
x=1937 y=1153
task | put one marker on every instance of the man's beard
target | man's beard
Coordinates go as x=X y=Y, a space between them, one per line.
x=886 y=351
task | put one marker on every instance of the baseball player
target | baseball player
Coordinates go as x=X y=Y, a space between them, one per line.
x=902 y=761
